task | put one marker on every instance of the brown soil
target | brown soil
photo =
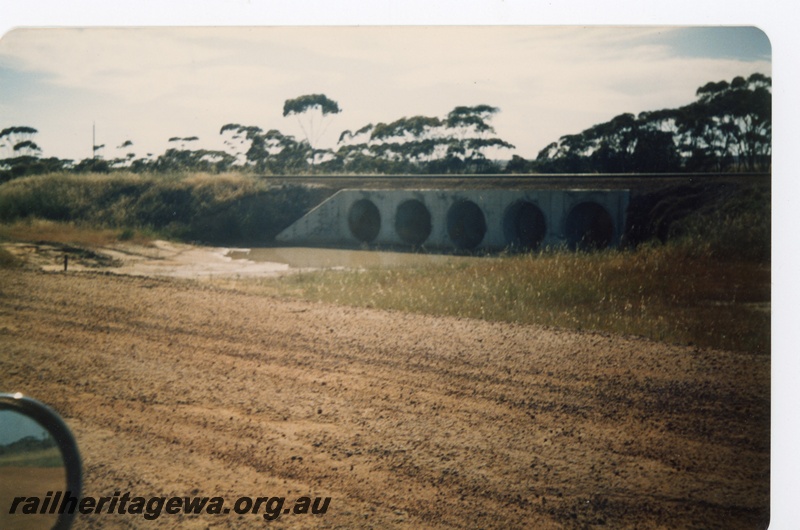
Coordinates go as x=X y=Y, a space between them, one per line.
x=28 y=482
x=174 y=387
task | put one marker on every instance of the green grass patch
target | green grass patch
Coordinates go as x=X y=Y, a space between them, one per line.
x=662 y=292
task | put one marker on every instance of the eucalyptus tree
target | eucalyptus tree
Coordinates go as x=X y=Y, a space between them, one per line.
x=18 y=141
x=729 y=123
x=184 y=158
x=267 y=151
x=192 y=160
x=27 y=147
x=471 y=120
x=21 y=155
x=183 y=141
x=237 y=140
x=469 y=129
x=314 y=113
x=403 y=145
x=570 y=154
x=453 y=143
x=414 y=140
x=125 y=156
x=624 y=144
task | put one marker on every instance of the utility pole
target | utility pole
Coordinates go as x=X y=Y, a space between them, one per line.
x=93 y=142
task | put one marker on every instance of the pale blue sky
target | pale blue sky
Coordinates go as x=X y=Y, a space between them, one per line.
x=15 y=426
x=147 y=85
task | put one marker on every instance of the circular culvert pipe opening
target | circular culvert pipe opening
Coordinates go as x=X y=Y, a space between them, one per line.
x=524 y=225
x=589 y=227
x=413 y=222
x=364 y=220
x=466 y=224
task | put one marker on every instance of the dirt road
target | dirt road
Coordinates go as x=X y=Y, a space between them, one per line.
x=176 y=388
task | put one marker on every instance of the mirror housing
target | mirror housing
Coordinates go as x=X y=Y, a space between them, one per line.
x=52 y=424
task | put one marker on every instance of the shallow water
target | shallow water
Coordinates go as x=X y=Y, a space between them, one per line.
x=327 y=258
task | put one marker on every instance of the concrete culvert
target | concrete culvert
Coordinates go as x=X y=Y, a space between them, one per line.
x=589 y=227
x=466 y=224
x=413 y=222
x=524 y=225
x=364 y=220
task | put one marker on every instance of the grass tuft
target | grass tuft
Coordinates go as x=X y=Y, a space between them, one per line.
x=662 y=292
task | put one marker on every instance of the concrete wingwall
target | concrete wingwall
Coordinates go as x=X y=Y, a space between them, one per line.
x=464 y=219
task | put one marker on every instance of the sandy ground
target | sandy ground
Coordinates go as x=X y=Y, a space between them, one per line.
x=160 y=258
x=175 y=387
x=28 y=482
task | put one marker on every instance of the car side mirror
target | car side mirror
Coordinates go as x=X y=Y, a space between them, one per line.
x=40 y=466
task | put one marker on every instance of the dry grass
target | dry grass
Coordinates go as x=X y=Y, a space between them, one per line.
x=663 y=293
x=709 y=285
x=39 y=230
x=225 y=208
x=49 y=457
x=8 y=260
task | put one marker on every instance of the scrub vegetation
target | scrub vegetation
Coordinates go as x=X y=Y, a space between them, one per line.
x=218 y=209
x=707 y=284
x=696 y=269
x=666 y=293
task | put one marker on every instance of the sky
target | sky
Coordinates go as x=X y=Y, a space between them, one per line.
x=16 y=426
x=146 y=85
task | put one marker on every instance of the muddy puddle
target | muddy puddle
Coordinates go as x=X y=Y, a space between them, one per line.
x=325 y=258
x=178 y=260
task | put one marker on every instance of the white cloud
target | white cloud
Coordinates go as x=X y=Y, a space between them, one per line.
x=190 y=81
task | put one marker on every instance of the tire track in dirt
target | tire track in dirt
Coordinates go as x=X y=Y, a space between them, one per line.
x=406 y=421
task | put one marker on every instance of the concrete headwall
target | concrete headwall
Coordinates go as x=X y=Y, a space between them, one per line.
x=471 y=219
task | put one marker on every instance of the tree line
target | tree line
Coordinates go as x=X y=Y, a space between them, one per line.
x=727 y=128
